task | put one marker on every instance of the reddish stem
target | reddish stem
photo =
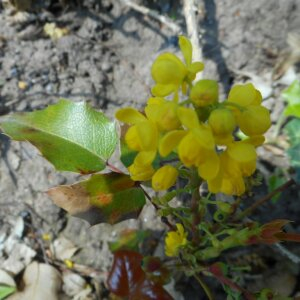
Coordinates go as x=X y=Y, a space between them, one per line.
x=113 y=168
x=224 y=280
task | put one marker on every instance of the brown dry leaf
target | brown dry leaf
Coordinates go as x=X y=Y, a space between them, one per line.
x=41 y=281
x=63 y=248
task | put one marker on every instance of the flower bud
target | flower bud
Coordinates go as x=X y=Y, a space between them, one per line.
x=164 y=178
x=205 y=92
x=222 y=121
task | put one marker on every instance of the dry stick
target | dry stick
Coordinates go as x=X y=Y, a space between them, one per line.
x=192 y=30
x=153 y=14
x=266 y=198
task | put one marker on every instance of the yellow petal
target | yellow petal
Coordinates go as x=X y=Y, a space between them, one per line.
x=153 y=108
x=129 y=115
x=145 y=158
x=189 y=150
x=188 y=117
x=132 y=139
x=186 y=49
x=162 y=90
x=243 y=95
x=255 y=140
x=168 y=69
x=204 y=137
x=242 y=152
x=196 y=67
x=210 y=167
x=140 y=172
x=170 y=141
x=164 y=178
x=148 y=135
x=167 y=116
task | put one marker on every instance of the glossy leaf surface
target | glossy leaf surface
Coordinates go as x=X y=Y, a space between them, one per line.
x=72 y=136
x=127 y=279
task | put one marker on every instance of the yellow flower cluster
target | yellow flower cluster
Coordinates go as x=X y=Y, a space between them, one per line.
x=202 y=136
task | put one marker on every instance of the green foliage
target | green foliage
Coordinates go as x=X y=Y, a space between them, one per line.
x=72 y=136
x=292 y=97
x=292 y=130
x=274 y=181
x=5 y=291
x=129 y=239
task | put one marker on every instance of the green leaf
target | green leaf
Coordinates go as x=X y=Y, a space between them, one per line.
x=292 y=97
x=294 y=155
x=6 y=291
x=292 y=129
x=72 y=136
x=129 y=239
x=276 y=180
x=108 y=198
x=292 y=110
x=292 y=94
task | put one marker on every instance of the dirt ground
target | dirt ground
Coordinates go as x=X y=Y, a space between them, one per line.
x=105 y=59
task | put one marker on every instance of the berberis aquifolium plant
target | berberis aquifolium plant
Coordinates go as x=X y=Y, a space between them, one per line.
x=184 y=135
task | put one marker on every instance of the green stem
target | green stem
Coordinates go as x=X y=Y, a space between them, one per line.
x=205 y=288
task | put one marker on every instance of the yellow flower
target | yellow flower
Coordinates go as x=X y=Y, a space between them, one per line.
x=164 y=178
x=255 y=120
x=205 y=92
x=222 y=123
x=238 y=161
x=252 y=118
x=197 y=147
x=163 y=113
x=170 y=73
x=174 y=240
x=141 y=172
x=245 y=95
x=142 y=136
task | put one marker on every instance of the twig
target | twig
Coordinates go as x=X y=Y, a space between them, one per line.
x=163 y=219
x=205 y=288
x=192 y=30
x=265 y=199
x=153 y=14
x=113 y=168
x=291 y=256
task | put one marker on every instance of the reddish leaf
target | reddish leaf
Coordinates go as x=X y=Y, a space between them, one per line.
x=127 y=278
x=108 y=198
x=155 y=270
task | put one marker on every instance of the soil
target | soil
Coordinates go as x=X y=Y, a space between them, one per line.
x=105 y=60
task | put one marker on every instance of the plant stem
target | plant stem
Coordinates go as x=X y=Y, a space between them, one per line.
x=250 y=209
x=113 y=168
x=163 y=219
x=205 y=288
